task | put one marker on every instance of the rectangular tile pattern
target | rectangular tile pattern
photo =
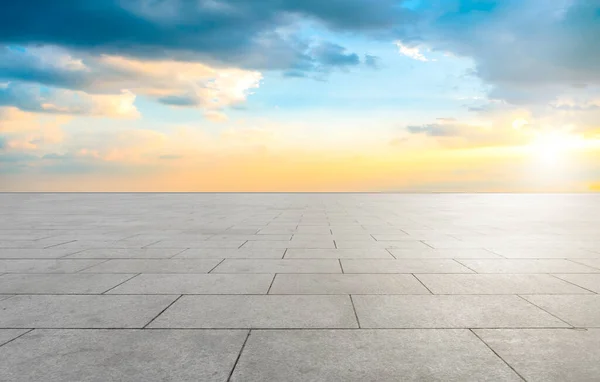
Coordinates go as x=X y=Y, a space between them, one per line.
x=299 y=287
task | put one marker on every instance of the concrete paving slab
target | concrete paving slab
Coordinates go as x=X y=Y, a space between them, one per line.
x=269 y=311
x=346 y=284
x=587 y=281
x=121 y=355
x=526 y=266
x=81 y=311
x=448 y=311
x=127 y=253
x=154 y=266
x=577 y=310
x=195 y=284
x=193 y=253
x=430 y=253
x=69 y=283
x=373 y=355
x=45 y=265
x=404 y=266
x=376 y=253
x=497 y=284
x=278 y=266
x=548 y=354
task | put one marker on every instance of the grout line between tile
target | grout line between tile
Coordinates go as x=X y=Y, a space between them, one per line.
x=162 y=311
x=239 y=355
x=497 y=355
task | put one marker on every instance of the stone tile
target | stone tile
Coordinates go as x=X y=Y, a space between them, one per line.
x=497 y=284
x=259 y=312
x=430 y=253
x=9 y=335
x=526 y=266
x=49 y=253
x=587 y=281
x=121 y=355
x=196 y=284
x=346 y=284
x=433 y=311
x=548 y=354
x=54 y=283
x=594 y=263
x=374 y=355
x=278 y=266
x=404 y=244
x=155 y=266
x=217 y=244
x=322 y=244
x=45 y=265
x=577 y=310
x=124 y=253
x=78 y=311
x=403 y=266
x=193 y=253
x=545 y=253
x=376 y=253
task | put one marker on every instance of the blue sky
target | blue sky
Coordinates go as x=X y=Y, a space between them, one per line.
x=464 y=95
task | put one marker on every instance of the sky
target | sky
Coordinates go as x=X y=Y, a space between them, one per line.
x=300 y=95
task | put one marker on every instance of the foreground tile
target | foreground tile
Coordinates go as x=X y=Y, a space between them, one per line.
x=594 y=263
x=376 y=253
x=195 y=284
x=591 y=281
x=403 y=266
x=9 y=334
x=259 y=312
x=155 y=266
x=48 y=253
x=548 y=354
x=545 y=253
x=278 y=266
x=127 y=253
x=346 y=284
x=194 y=253
x=526 y=266
x=450 y=312
x=497 y=284
x=430 y=253
x=45 y=265
x=121 y=355
x=68 y=283
x=577 y=310
x=52 y=311
x=374 y=355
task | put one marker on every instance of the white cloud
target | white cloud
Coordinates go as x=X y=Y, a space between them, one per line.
x=411 y=52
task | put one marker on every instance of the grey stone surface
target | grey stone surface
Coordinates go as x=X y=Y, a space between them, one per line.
x=45 y=265
x=497 y=284
x=10 y=334
x=526 y=266
x=369 y=355
x=122 y=261
x=36 y=253
x=105 y=311
x=588 y=281
x=154 y=266
x=430 y=253
x=127 y=253
x=346 y=284
x=195 y=284
x=548 y=354
x=70 y=283
x=577 y=310
x=120 y=355
x=278 y=266
x=259 y=312
x=433 y=311
x=193 y=253
x=376 y=253
x=403 y=266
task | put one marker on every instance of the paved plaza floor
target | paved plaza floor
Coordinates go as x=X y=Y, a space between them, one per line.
x=299 y=287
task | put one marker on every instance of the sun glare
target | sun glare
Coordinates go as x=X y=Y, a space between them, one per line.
x=552 y=147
